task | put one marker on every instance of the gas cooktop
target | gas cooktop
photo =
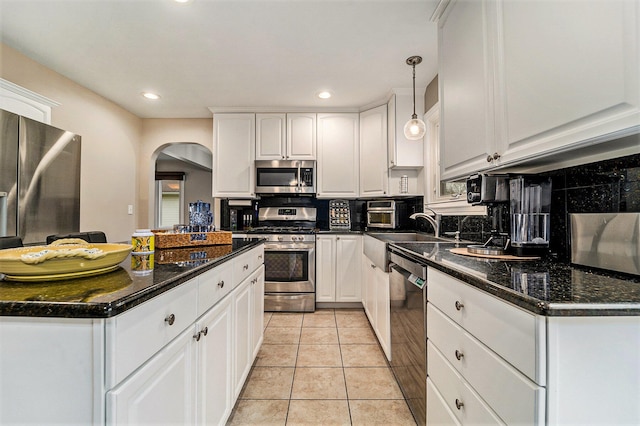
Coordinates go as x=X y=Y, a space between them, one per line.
x=282 y=230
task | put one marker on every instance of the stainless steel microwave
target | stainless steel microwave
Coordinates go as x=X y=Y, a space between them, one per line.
x=285 y=177
x=389 y=214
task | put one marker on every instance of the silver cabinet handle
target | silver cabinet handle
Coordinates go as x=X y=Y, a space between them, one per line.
x=245 y=267
x=221 y=284
x=373 y=266
x=489 y=158
x=496 y=156
x=459 y=404
x=205 y=331
x=197 y=336
x=202 y=332
x=260 y=257
x=459 y=305
x=459 y=355
x=170 y=319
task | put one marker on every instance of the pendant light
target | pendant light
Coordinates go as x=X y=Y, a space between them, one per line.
x=415 y=128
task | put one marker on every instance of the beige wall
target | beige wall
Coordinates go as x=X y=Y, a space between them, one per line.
x=110 y=143
x=118 y=148
x=156 y=135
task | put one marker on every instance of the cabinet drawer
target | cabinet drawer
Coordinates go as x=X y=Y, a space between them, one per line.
x=461 y=399
x=140 y=332
x=213 y=285
x=438 y=413
x=245 y=264
x=513 y=396
x=515 y=335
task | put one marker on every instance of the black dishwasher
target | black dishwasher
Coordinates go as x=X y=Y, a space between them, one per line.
x=408 y=329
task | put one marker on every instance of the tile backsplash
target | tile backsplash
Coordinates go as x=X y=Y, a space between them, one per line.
x=609 y=186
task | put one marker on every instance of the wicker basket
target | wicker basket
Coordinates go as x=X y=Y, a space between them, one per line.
x=165 y=239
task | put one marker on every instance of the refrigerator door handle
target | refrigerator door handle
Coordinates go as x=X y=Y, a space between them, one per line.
x=3 y=214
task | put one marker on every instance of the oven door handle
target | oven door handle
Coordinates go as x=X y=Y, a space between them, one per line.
x=296 y=247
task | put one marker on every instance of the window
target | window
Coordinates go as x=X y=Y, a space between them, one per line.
x=170 y=196
x=443 y=196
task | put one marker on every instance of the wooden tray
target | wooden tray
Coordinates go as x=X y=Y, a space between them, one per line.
x=165 y=239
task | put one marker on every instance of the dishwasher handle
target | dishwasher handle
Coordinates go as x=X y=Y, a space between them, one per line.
x=412 y=278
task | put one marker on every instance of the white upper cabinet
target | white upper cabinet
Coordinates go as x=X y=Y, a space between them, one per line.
x=271 y=136
x=234 y=138
x=301 y=136
x=466 y=90
x=404 y=153
x=338 y=155
x=374 y=176
x=286 y=136
x=579 y=83
x=533 y=80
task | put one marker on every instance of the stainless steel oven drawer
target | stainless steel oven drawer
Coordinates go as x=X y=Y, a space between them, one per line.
x=292 y=302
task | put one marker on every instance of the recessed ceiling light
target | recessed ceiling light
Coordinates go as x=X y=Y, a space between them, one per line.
x=183 y=1
x=150 y=95
x=325 y=94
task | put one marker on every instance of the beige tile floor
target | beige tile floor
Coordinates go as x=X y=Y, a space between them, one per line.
x=321 y=368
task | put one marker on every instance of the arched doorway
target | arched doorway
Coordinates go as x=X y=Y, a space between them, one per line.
x=182 y=176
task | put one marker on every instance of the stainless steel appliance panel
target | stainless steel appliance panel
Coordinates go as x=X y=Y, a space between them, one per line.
x=606 y=240
x=285 y=177
x=289 y=268
x=8 y=172
x=48 y=181
x=297 y=302
x=408 y=332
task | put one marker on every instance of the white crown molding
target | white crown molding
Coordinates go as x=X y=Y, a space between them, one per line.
x=19 y=90
x=222 y=109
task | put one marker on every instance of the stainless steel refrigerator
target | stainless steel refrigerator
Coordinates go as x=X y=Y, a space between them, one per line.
x=39 y=179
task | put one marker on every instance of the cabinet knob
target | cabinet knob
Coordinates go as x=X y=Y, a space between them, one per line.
x=205 y=331
x=221 y=284
x=260 y=257
x=245 y=267
x=373 y=266
x=459 y=355
x=489 y=158
x=459 y=305
x=197 y=336
x=459 y=404
x=496 y=156
x=170 y=319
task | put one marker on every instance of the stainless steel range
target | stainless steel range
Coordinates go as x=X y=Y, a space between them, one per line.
x=289 y=262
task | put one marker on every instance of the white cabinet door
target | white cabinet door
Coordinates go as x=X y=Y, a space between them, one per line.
x=438 y=413
x=162 y=391
x=233 y=155
x=325 y=268
x=338 y=155
x=404 y=153
x=347 y=260
x=374 y=176
x=301 y=136
x=257 y=311
x=369 y=289
x=579 y=83
x=214 y=361
x=466 y=90
x=383 y=310
x=241 y=334
x=270 y=136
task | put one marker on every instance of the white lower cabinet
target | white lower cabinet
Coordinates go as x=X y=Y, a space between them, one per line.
x=438 y=412
x=215 y=358
x=338 y=277
x=376 y=302
x=162 y=391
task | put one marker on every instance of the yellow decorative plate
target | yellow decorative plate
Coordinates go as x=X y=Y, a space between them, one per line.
x=60 y=260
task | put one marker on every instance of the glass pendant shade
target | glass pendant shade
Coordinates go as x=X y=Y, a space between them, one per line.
x=414 y=129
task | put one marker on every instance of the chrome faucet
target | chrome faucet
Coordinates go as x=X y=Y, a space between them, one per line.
x=433 y=220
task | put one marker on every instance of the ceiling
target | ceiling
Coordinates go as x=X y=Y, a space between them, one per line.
x=227 y=53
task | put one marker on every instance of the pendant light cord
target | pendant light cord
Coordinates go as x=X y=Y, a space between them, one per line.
x=414 y=92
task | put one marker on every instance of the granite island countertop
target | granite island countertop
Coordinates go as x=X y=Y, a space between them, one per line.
x=106 y=295
x=543 y=287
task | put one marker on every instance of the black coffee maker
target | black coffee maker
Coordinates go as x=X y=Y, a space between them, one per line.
x=491 y=191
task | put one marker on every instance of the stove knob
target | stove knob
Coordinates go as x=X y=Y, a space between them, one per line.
x=280 y=238
x=294 y=238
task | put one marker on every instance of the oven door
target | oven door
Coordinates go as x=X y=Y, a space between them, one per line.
x=289 y=267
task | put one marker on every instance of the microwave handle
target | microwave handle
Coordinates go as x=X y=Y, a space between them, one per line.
x=299 y=189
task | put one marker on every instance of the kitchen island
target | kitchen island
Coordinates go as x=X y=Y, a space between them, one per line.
x=131 y=346
x=531 y=342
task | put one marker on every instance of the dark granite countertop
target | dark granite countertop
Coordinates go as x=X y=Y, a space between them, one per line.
x=543 y=286
x=109 y=294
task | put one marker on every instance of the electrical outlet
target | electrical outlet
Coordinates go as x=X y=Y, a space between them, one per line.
x=130 y=209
